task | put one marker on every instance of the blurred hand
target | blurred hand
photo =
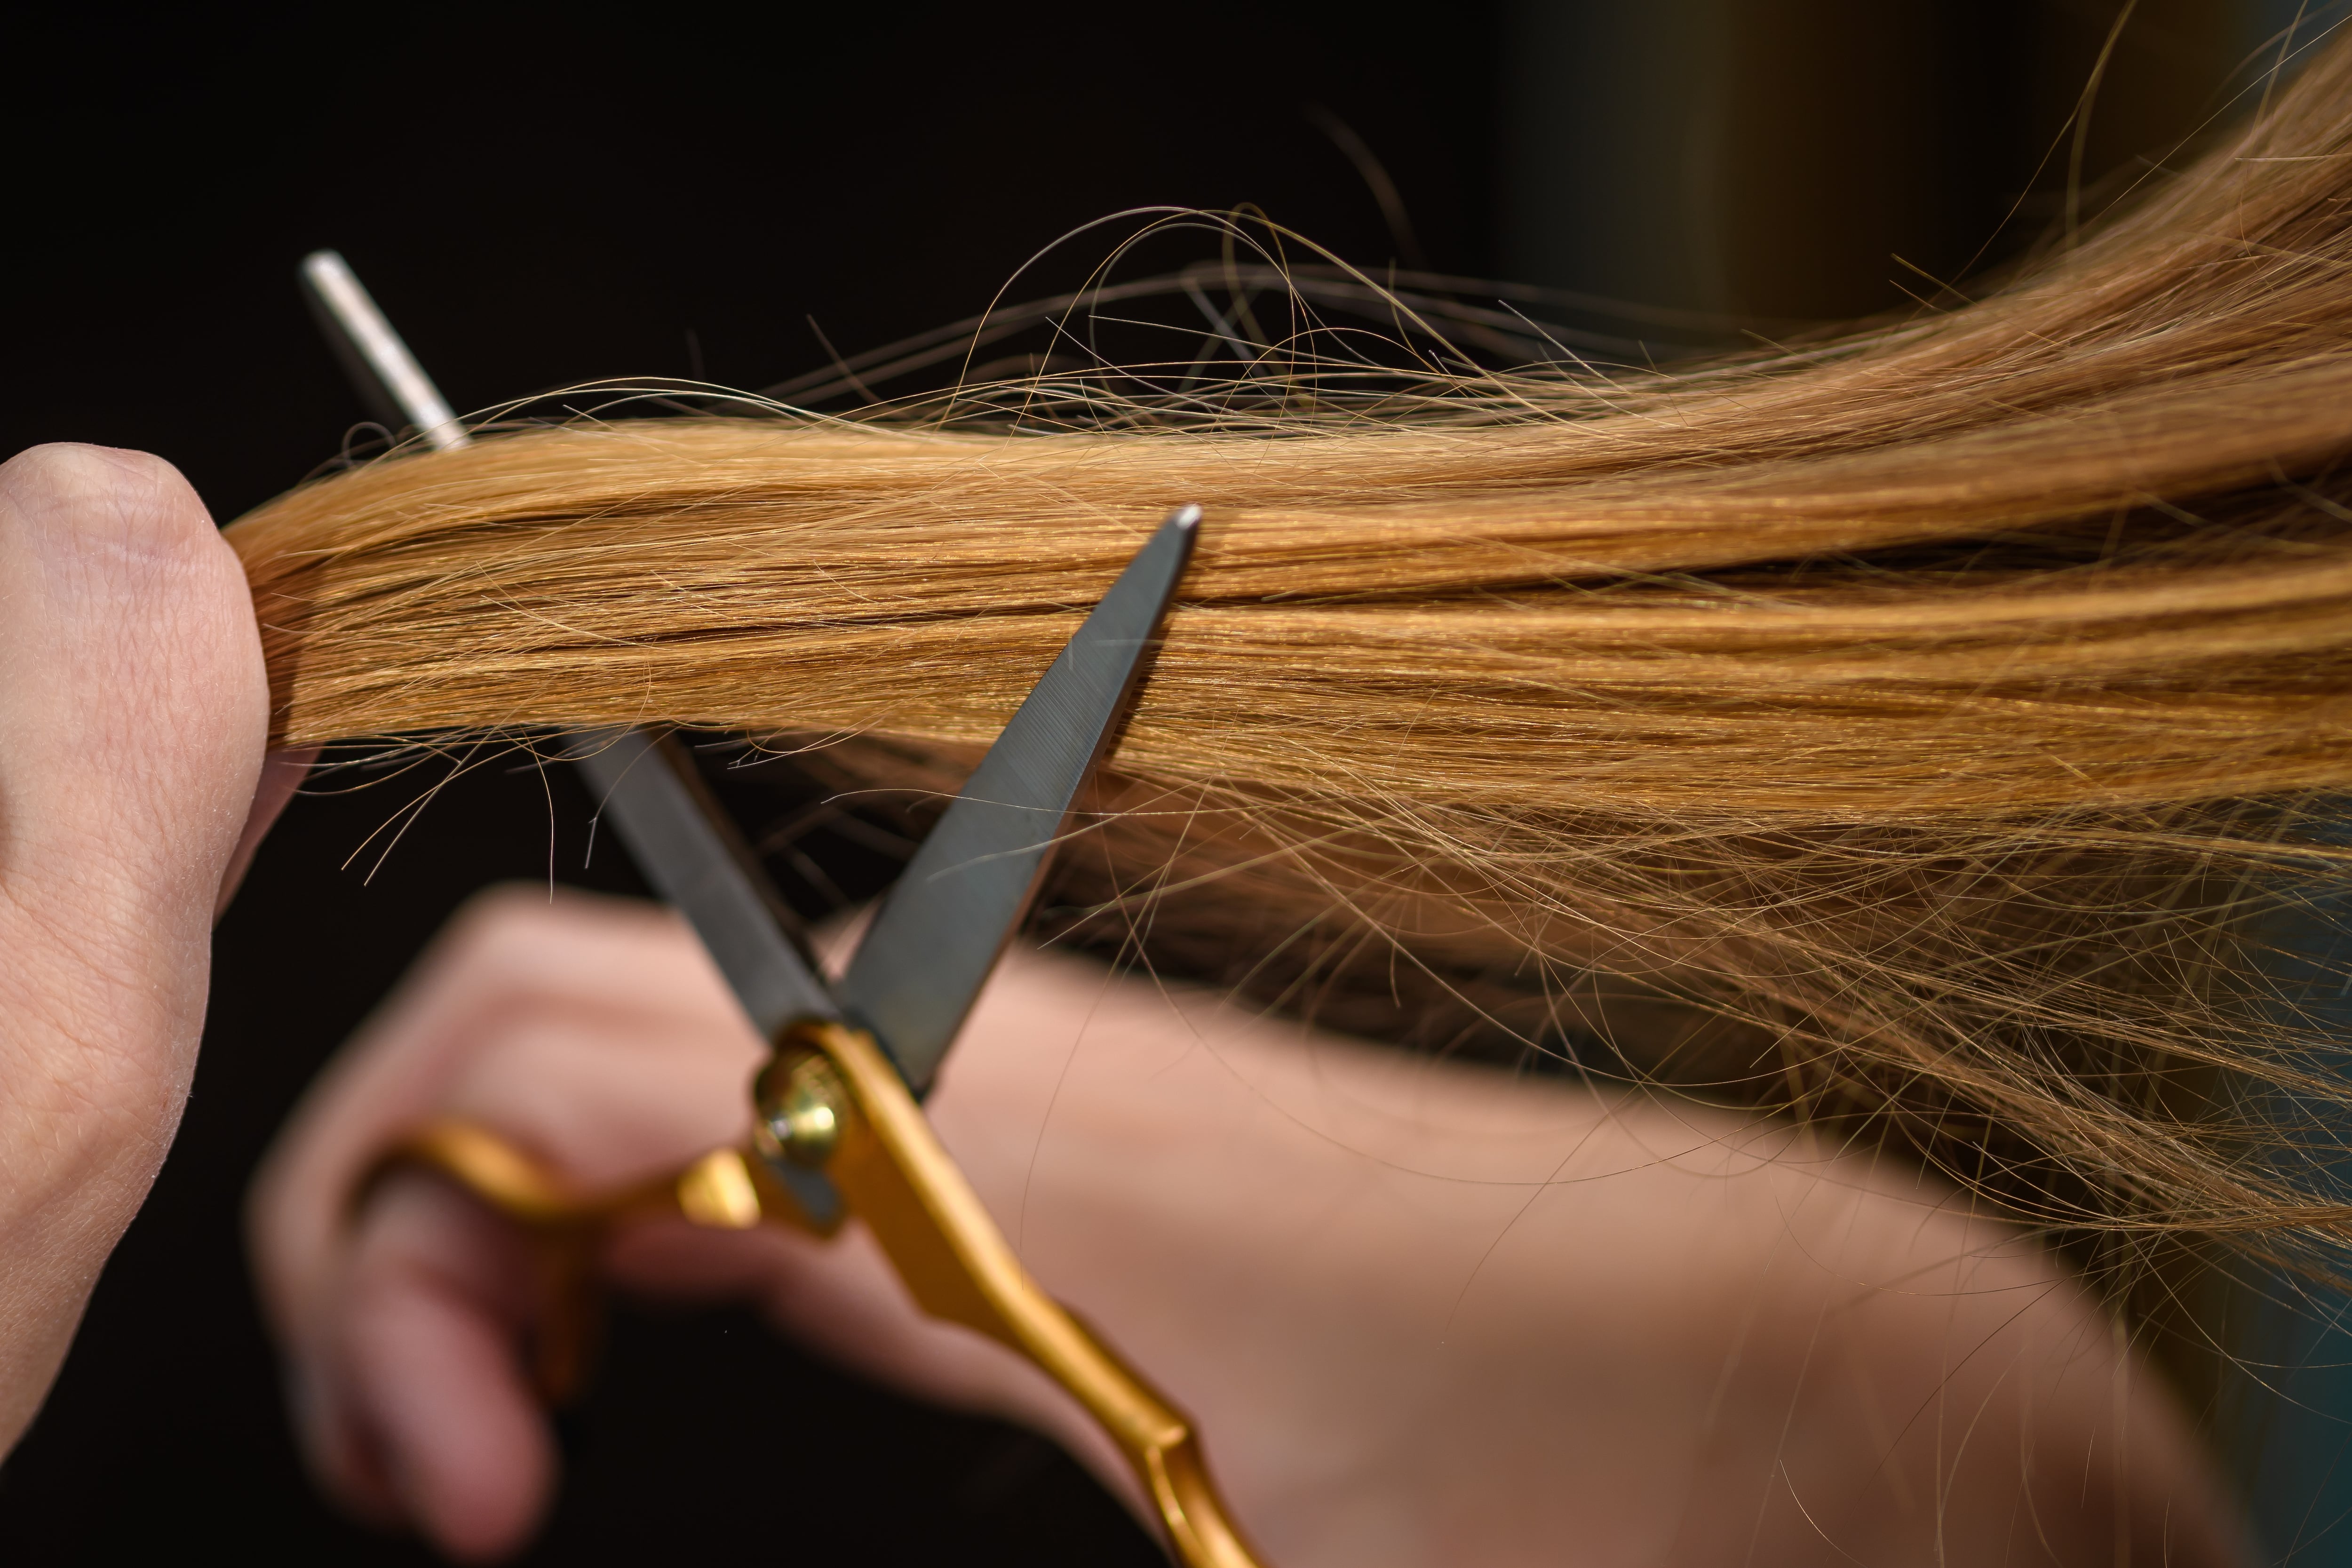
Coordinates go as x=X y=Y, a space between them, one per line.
x=596 y=1036
x=1425 y=1314
x=133 y=710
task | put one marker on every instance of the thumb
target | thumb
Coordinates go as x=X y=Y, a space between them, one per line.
x=133 y=711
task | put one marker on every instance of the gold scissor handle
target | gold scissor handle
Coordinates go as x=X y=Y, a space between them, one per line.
x=895 y=1176
x=724 y=1190
x=832 y=1100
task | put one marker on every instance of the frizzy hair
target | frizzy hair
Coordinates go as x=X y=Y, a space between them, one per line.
x=1928 y=730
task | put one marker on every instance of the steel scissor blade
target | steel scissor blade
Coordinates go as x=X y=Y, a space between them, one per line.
x=382 y=370
x=688 y=851
x=946 y=922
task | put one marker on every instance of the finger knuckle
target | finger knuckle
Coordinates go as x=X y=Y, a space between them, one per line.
x=82 y=478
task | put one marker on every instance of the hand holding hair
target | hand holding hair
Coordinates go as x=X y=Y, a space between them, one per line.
x=1429 y=1314
x=133 y=710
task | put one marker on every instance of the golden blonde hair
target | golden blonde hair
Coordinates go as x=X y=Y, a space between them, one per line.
x=1914 y=729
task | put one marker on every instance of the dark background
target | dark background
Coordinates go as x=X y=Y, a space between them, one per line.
x=538 y=198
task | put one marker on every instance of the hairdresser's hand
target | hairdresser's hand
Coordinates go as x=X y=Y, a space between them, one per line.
x=132 y=715
x=1426 y=1315
x=595 y=1035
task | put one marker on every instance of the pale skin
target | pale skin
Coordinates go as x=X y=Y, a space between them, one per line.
x=1425 y=1314
x=133 y=711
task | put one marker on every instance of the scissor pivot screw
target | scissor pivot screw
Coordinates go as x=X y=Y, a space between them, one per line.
x=800 y=1105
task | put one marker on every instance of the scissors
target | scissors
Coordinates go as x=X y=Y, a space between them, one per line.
x=837 y=1124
